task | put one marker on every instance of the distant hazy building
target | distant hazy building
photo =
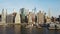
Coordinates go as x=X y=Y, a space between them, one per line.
x=4 y=13
x=40 y=17
x=48 y=18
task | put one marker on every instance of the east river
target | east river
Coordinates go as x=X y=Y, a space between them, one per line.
x=18 y=29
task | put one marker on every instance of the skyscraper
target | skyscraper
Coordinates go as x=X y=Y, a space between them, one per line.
x=9 y=18
x=40 y=17
x=48 y=19
x=17 y=18
x=23 y=14
x=33 y=15
x=30 y=18
x=49 y=14
x=4 y=13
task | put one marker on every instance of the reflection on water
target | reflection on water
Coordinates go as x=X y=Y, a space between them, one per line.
x=18 y=29
x=1 y=30
x=10 y=29
x=31 y=30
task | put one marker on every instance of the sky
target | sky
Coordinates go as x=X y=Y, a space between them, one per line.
x=44 y=5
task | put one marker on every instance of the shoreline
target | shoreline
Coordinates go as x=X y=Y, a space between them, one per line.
x=6 y=24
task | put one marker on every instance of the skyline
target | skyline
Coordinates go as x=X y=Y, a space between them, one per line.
x=45 y=5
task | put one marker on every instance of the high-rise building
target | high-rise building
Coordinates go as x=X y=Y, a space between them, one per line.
x=49 y=14
x=17 y=18
x=33 y=15
x=48 y=18
x=40 y=17
x=4 y=13
x=23 y=11
x=30 y=18
x=9 y=18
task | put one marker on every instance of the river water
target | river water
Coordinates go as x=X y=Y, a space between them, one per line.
x=18 y=29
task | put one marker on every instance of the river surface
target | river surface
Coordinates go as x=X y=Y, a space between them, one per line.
x=18 y=29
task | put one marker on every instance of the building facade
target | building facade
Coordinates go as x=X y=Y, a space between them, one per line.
x=40 y=17
x=4 y=13
x=18 y=19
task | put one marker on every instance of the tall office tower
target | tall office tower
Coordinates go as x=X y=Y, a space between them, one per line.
x=4 y=13
x=33 y=15
x=23 y=10
x=9 y=18
x=48 y=19
x=49 y=14
x=17 y=19
x=40 y=17
x=14 y=15
x=30 y=18
x=34 y=10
